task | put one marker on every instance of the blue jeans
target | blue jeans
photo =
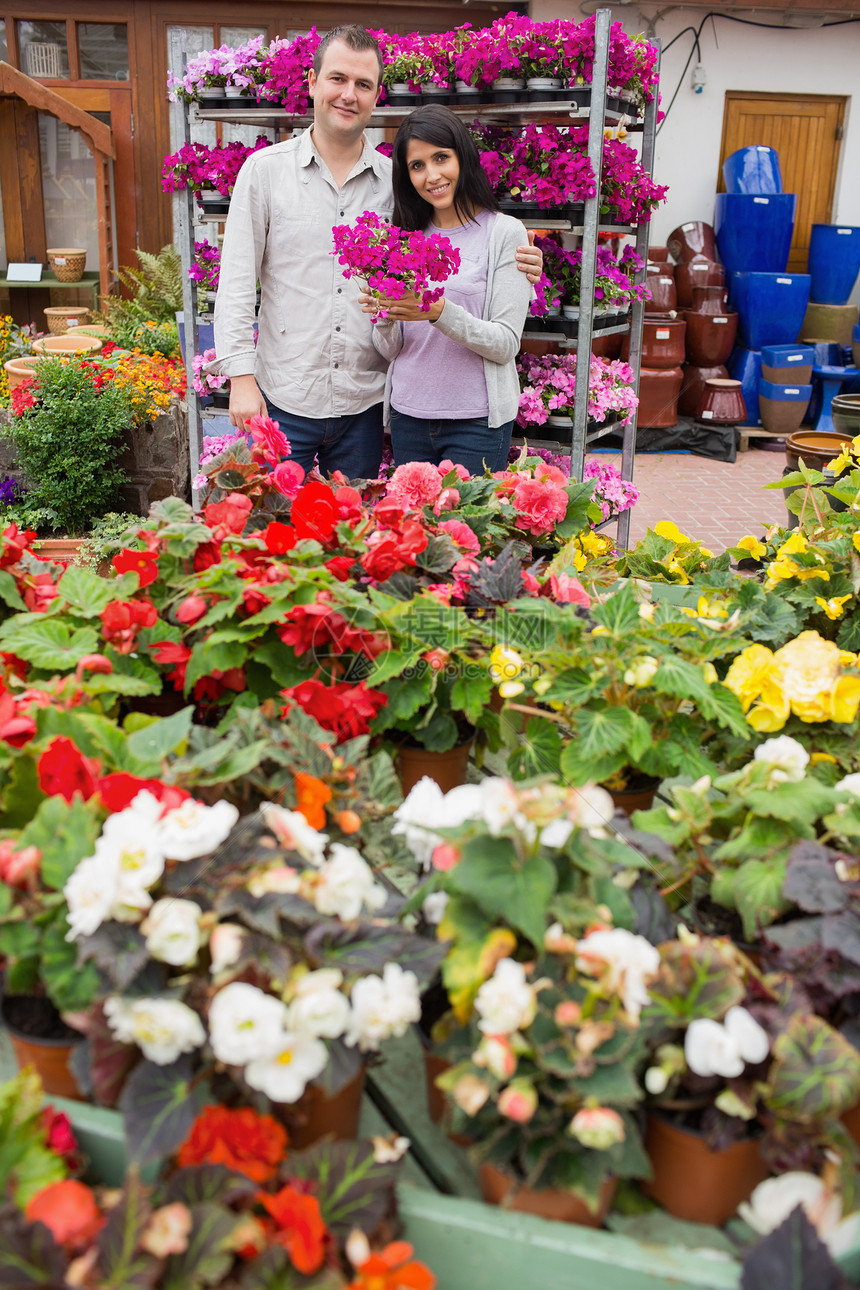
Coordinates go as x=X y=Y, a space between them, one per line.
x=352 y=444
x=470 y=442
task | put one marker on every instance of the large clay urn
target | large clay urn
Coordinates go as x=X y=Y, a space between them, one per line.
x=710 y=337
x=662 y=343
x=696 y=273
x=709 y=300
x=658 y=397
x=693 y=387
x=695 y=238
x=664 y=297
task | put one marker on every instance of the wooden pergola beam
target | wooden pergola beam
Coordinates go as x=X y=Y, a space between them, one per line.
x=98 y=135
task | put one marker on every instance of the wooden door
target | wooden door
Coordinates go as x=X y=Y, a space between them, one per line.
x=806 y=130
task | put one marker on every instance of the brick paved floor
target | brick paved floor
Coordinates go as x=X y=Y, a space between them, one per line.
x=715 y=502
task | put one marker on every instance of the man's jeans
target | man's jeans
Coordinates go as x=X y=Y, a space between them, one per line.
x=351 y=444
x=469 y=443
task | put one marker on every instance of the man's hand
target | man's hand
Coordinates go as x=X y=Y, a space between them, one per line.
x=530 y=259
x=246 y=401
x=406 y=309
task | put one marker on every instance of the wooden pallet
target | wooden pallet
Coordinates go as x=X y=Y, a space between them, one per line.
x=745 y=433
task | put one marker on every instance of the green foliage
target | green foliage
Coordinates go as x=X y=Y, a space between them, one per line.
x=26 y=1164
x=155 y=284
x=106 y=538
x=69 y=446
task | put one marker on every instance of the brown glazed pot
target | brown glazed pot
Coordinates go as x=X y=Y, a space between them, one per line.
x=658 y=254
x=710 y=338
x=709 y=299
x=664 y=297
x=695 y=1183
x=662 y=342
x=607 y=346
x=658 y=397
x=814 y=448
x=696 y=273
x=695 y=238
x=723 y=402
x=781 y=416
x=693 y=387
x=500 y=1188
x=447 y=768
x=317 y=1115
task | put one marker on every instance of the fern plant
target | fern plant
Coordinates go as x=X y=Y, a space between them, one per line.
x=156 y=287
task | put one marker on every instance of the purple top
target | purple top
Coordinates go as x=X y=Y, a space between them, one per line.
x=435 y=376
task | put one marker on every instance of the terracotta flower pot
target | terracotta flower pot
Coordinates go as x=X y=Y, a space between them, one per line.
x=814 y=448
x=67 y=550
x=658 y=397
x=49 y=1057
x=70 y=343
x=723 y=403
x=447 y=768
x=696 y=273
x=639 y=797
x=19 y=370
x=693 y=387
x=710 y=338
x=695 y=1183
x=317 y=1115
x=500 y=1188
x=695 y=238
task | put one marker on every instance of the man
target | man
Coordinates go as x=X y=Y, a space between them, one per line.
x=315 y=369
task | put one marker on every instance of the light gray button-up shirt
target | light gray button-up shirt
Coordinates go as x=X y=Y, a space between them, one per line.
x=315 y=355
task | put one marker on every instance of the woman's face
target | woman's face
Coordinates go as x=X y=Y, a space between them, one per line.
x=434 y=171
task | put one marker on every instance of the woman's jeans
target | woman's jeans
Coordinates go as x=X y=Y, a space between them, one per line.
x=469 y=442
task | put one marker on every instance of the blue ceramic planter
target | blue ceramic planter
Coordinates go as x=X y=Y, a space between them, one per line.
x=787 y=364
x=745 y=366
x=771 y=307
x=754 y=233
x=784 y=393
x=753 y=170
x=834 y=262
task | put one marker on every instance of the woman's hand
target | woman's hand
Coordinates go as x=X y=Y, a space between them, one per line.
x=406 y=309
x=530 y=259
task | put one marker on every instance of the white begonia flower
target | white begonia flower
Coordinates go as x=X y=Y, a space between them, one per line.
x=775 y=1198
x=163 y=1029
x=787 y=758
x=555 y=834
x=751 y=1039
x=90 y=892
x=434 y=907
x=245 y=1023
x=656 y=1080
x=319 y=1007
x=283 y=1075
x=499 y=804
x=225 y=947
x=594 y=808
x=417 y=818
x=194 y=829
x=383 y=1007
x=132 y=836
x=849 y=784
x=465 y=802
x=624 y=961
x=294 y=833
x=710 y=1050
x=172 y=931
x=642 y=672
x=346 y=885
x=506 y=1002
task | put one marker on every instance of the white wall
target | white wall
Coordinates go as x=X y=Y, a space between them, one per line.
x=735 y=57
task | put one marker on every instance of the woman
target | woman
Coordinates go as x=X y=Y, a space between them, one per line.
x=453 y=384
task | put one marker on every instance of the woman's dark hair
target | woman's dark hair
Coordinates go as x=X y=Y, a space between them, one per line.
x=436 y=124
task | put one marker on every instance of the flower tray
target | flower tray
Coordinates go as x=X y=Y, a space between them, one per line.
x=570 y=327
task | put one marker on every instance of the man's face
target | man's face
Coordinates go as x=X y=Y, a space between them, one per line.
x=345 y=91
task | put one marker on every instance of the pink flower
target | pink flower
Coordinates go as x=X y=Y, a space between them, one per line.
x=461 y=535
x=270 y=443
x=518 y=1102
x=445 y=467
x=445 y=857
x=568 y=591
x=597 y=1127
x=415 y=484
x=288 y=477
x=448 y=500
x=540 y=506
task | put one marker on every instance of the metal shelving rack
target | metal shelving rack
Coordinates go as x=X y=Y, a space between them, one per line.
x=576 y=110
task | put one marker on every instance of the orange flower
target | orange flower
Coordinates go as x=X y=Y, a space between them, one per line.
x=300 y=1227
x=393 y=1269
x=312 y=794
x=251 y=1144
x=69 y=1211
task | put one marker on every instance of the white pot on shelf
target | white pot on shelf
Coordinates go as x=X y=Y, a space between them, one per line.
x=559 y=421
x=543 y=83
x=571 y=312
x=208 y=93
x=432 y=88
x=509 y=83
x=462 y=87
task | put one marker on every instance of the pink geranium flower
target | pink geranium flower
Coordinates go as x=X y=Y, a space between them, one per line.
x=461 y=535
x=568 y=591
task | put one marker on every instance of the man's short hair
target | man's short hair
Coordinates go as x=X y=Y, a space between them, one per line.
x=353 y=35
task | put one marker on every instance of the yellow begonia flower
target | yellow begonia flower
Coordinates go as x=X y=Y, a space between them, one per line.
x=846 y=699
x=838 y=464
x=579 y=561
x=833 y=608
x=756 y=549
x=641 y=671
x=710 y=672
x=667 y=529
x=646 y=610
x=674 y=567
x=595 y=543
x=793 y=545
x=777 y=570
x=856 y=540
x=815 y=758
x=766 y=719
x=505 y=664
x=748 y=673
